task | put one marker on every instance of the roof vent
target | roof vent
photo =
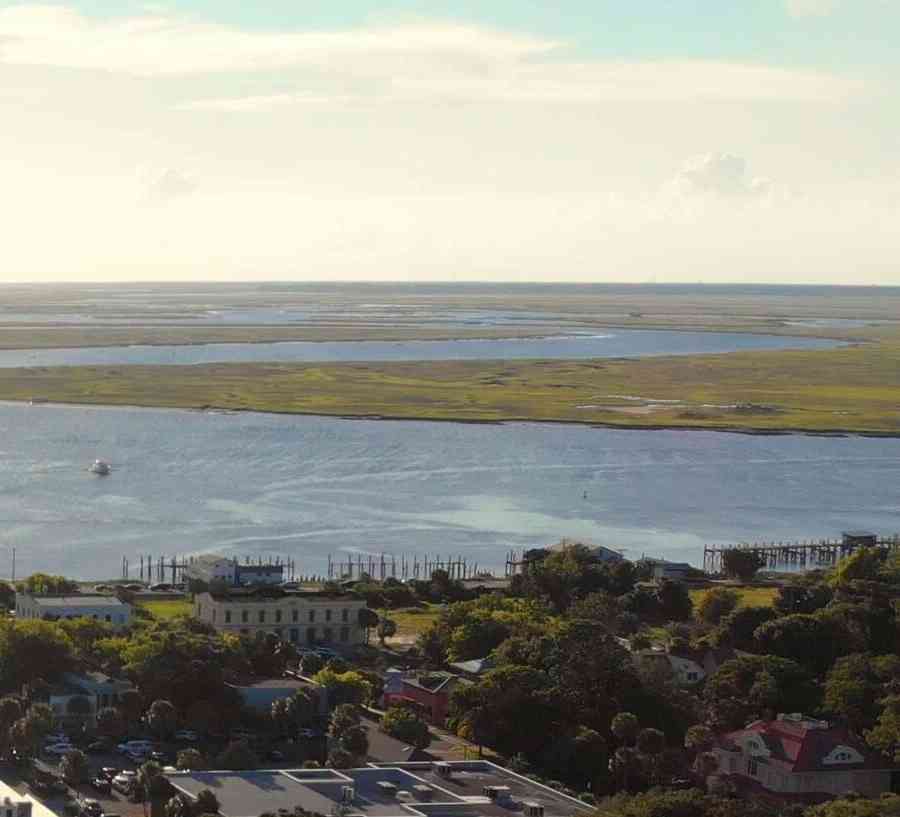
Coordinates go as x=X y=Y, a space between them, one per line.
x=348 y=793
x=533 y=809
x=443 y=769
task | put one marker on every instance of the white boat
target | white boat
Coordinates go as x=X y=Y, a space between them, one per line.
x=100 y=467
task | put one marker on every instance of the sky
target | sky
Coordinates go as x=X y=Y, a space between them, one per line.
x=578 y=140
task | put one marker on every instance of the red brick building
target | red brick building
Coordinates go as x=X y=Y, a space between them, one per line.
x=427 y=693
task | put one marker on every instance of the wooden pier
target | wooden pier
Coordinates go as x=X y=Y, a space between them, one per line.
x=803 y=555
x=403 y=567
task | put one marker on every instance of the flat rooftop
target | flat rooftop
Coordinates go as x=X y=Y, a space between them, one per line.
x=249 y=794
x=82 y=600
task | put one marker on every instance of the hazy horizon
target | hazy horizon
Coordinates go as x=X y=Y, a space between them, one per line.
x=698 y=142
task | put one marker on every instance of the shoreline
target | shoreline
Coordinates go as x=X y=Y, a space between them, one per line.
x=211 y=409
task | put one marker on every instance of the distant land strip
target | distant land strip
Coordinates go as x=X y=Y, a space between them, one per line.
x=853 y=389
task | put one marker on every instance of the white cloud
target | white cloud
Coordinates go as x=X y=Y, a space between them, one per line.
x=158 y=186
x=402 y=62
x=719 y=174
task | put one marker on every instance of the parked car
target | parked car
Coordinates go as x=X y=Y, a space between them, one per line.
x=274 y=754
x=159 y=757
x=89 y=808
x=124 y=781
x=58 y=749
x=186 y=735
x=57 y=737
x=135 y=745
x=137 y=755
x=108 y=772
x=101 y=784
x=99 y=747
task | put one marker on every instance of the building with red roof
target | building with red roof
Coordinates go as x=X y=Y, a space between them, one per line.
x=799 y=757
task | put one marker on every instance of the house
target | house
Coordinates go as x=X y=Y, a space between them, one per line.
x=474 y=669
x=210 y=568
x=261 y=694
x=301 y=617
x=688 y=667
x=599 y=553
x=98 y=606
x=428 y=693
x=674 y=571
x=260 y=574
x=799 y=757
x=95 y=688
x=391 y=789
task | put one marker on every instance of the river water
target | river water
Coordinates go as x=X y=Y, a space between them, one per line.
x=254 y=484
x=615 y=343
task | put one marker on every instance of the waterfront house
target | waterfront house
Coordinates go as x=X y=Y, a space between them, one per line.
x=798 y=757
x=211 y=568
x=98 y=606
x=301 y=617
x=674 y=571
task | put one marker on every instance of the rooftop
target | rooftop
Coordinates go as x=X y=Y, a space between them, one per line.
x=256 y=595
x=427 y=793
x=80 y=600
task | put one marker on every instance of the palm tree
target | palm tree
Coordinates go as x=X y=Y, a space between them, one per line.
x=148 y=782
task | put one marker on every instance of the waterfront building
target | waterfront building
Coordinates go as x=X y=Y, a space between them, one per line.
x=98 y=606
x=301 y=617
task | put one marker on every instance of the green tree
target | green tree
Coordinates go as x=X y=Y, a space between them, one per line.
x=207 y=802
x=32 y=649
x=814 y=641
x=674 y=601
x=355 y=740
x=387 y=628
x=79 y=707
x=344 y=688
x=74 y=767
x=340 y=758
x=402 y=723
x=367 y=620
x=131 y=707
x=625 y=727
x=179 y=806
x=885 y=735
x=716 y=604
x=41 y=718
x=650 y=745
x=737 y=628
x=887 y=806
x=24 y=738
x=742 y=564
x=162 y=718
x=46 y=583
x=11 y=710
x=238 y=756
x=110 y=723
x=190 y=760
x=150 y=784
x=699 y=738
x=311 y=664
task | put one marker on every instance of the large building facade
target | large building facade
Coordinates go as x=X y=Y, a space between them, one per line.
x=303 y=618
x=99 y=607
x=211 y=568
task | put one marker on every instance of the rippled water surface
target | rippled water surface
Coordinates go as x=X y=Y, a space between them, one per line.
x=305 y=487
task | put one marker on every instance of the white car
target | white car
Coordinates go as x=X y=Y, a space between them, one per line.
x=187 y=735
x=124 y=781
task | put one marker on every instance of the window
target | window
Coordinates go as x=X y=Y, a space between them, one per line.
x=245 y=617
x=752 y=767
x=345 y=633
x=310 y=635
x=295 y=635
x=278 y=631
x=278 y=616
x=345 y=614
x=262 y=616
x=295 y=615
x=228 y=616
x=215 y=613
x=312 y=615
x=692 y=676
x=108 y=618
x=328 y=615
x=328 y=635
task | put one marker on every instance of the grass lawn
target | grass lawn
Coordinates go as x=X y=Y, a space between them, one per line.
x=411 y=621
x=749 y=596
x=167 y=608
